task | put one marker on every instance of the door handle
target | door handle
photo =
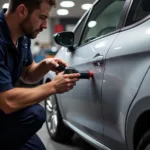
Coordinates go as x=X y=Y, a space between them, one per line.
x=97 y=60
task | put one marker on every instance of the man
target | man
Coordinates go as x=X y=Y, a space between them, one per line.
x=20 y=114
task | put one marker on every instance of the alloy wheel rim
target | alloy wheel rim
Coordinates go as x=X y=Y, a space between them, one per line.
x=51 y=114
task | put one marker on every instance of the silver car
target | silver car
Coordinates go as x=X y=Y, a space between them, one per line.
x=111 y=110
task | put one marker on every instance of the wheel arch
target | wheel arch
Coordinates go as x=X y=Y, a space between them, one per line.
x=141 y=126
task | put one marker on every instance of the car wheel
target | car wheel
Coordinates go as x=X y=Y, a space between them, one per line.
x=56 y=128
x=144 y=143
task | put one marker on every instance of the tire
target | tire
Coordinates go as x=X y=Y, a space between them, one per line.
x=55 y=126
x=144 y=143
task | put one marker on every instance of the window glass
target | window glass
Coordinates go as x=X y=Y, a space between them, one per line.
x=103 y=20
x=78 y=30
x=139 y=10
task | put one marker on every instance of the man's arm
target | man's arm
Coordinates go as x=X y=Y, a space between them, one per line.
x=19 y=98
x=34 y=72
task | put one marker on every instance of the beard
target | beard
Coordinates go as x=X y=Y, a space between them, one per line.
x=27 y=28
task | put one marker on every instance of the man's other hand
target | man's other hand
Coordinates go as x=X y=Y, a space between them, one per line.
x=53 y=63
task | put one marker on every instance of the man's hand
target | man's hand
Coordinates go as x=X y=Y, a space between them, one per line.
x=36 y=71
x=53 y=63
x=65 y=82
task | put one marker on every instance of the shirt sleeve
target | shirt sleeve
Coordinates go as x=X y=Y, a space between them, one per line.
x=29 y=55
x=5 y=77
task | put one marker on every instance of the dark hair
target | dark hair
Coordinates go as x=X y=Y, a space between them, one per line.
x=30 y=4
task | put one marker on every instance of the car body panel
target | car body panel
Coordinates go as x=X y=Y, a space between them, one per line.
x=126 y=65
x=140 y=105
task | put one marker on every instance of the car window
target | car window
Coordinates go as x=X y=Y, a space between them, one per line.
x=79 y=28
x=139 y=10
x=103 y=19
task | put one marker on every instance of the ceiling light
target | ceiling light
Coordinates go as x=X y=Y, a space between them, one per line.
x=67 y=4
x=86 y=6
x=62 y=12
x=5 y=6
x=92 y=24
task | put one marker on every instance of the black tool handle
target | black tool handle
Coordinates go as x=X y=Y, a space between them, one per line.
x=60 y=68
x=84 y=74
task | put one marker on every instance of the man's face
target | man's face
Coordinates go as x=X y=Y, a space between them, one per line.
x=34 y=23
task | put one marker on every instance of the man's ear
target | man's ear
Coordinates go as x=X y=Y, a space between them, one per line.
x=22 y=11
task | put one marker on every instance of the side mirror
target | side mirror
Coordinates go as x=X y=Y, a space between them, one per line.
x=65 y=39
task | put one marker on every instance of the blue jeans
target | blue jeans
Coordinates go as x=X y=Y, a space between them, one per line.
x=18 y=130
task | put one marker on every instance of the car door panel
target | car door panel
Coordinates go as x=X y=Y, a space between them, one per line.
x=82 y=105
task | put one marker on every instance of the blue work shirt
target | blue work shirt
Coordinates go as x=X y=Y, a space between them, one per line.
x=12 y=59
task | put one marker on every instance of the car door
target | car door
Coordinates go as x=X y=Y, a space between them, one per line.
x=128 y=61
x=82 y=106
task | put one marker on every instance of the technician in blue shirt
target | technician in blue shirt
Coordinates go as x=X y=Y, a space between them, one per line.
x=20 y=114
